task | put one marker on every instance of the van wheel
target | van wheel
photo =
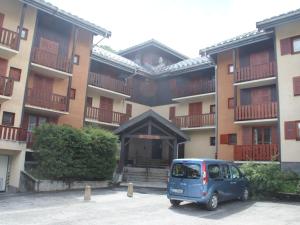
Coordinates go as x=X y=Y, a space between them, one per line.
x=175 y=202
x=212 y=204
x=245 y=195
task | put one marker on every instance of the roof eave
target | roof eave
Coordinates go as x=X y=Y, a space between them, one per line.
x=273 y=23
x=237 y=44
x=94 y=29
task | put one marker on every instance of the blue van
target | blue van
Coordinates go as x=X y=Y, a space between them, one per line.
x=205 y=181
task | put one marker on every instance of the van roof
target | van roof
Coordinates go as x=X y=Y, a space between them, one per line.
x=198 y=160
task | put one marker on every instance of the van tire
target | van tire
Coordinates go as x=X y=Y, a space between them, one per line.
x=245 y=195
x=175 y=203
x=212 y=203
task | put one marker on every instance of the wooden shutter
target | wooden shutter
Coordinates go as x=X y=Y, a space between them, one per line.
x=274 y=134
x=49 y=46
x=290 y=130
x=72 y=93
x=43 y=84
x=259 y=58
x=106 y=103
x=1 y=19
x=224 y=139
x=286 y=46
x=247 y=135
x=296 y=82
x=3 y=67
x=129 y=109
x=195 y=108
x=172 y=112
x=261 y=95
x=89 y=101
x=15 y=73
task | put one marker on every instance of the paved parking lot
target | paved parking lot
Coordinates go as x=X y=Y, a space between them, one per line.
x=114 y=207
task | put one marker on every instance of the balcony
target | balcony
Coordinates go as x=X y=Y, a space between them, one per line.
x=195 y=91
x=256 y=75
x=11 y=138
x=262 y=152
x=108 y=86
x=194 y=122
x=46 y=103
x=104 y=117
x=6 y=88
x=266 y=112
x=51 y=65
x=8 y=43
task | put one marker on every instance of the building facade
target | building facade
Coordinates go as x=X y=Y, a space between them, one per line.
x=239 y=100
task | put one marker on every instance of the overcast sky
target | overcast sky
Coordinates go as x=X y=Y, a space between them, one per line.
x=184 y=25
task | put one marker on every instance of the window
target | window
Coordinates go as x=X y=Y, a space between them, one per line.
x=230 y=69
x=262 y=135
x=15 y=73
x=212 y=141
x=232 y=140
x=226 y=172
x=76 y=59
x=296 y=45
x=24 y=33
x=296 y=84
x=8 y=119
x=189 y=171
x=72 y=93
x=129 y=109
x=298 y=130
x=214 y=171
x=235 y=172
x=212 y=108
x=230 y=103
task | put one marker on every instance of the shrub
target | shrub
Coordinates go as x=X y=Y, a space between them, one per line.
x=268 y=179
x=66 y=153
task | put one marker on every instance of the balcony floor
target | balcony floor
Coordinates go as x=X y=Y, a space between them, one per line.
x=49 y=72
x=256 y=83
x=44 y=111
x=198 y=128
x=7 y=53
x=107 y=93
x=257 y=121
x=4 y=98
x=102 y=123
x=195 y=98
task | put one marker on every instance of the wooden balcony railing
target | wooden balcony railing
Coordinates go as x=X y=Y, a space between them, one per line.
x=195 y=88
x=48 y=59
x=262 y=152
x=104 y=81
x=9 y=38
x=12 y=133
x=6 y=86
x=46 y=100
x=102 y=115
x=253 y=112
x=202 y=120
x=256 y=72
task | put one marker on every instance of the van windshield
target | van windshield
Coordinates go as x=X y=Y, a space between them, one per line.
x=189 y=171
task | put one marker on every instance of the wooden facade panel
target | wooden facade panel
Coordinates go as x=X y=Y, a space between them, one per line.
x=290 y=130
x=286 y=46
x=195 y=108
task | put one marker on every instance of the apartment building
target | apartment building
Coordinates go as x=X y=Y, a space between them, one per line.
x=237 y=101
x=44 y=61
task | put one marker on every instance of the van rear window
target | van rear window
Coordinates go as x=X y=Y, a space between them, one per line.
x=189 y=171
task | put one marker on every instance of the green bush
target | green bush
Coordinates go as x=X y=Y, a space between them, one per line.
x=268 y=179
x=66 y=153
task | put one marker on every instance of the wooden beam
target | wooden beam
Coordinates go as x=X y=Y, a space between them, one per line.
x=161 y=129
x=137 y=128
x=149 y=137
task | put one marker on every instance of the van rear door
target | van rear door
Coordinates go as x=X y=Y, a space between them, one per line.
x=185 y=180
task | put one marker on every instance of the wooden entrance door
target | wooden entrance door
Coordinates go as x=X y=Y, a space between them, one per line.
x=106 y=109
x=195 y=110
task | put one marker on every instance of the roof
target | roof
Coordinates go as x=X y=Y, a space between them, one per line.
x=151 y=114
x=280 y=19
x=55 y=11
x=188 y=65
x=238 y=41
x=154 y=43
x=199 y=160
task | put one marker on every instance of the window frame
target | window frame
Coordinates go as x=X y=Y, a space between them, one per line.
x=297 y=130
x=212 y=108
x=15 y=69
x=229 y=103
x=228 y=69
x=25 y=30
x=229 y=139
x=292 y=43
x=72 y=93
x=76 y=57
x=212 y=141
x=12 y=119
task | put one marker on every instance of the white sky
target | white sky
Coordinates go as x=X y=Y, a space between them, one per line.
x=184 y=25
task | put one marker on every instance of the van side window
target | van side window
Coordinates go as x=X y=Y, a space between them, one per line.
x=214 y=171
x=235 y=172
x=226 y=172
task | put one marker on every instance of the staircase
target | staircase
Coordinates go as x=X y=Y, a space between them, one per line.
x=146 y=177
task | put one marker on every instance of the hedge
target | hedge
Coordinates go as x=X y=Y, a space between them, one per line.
x=66 y=153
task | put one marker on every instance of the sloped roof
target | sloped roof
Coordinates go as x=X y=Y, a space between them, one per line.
x=280 y=19
x=55 y=11
x=240 y=40
x=188 y=65
x=154 y=43
x=151 y=114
